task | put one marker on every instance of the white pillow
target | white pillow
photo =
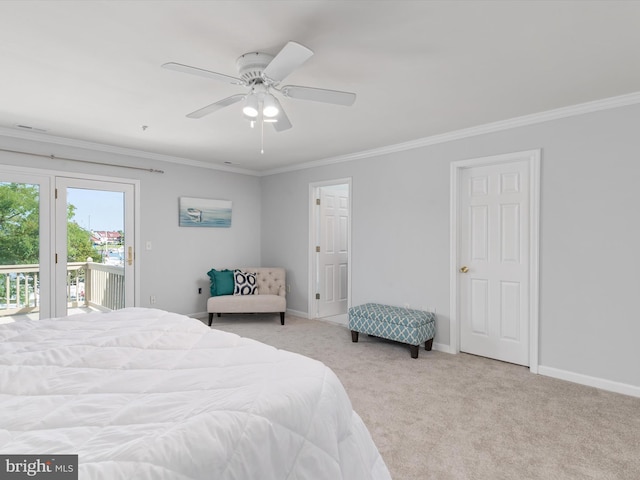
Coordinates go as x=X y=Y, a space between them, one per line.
x=244 y=283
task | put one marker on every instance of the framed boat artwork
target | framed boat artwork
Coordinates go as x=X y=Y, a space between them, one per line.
x=203 y=212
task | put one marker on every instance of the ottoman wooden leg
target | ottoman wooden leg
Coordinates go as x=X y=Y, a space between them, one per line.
x=428 y=344
x=354 y=336
x=414 y=351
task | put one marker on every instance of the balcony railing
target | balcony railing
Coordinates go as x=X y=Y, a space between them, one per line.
x=88 y=284
x=104 y=287
x=19 y=289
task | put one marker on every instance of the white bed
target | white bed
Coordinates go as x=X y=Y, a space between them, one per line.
x=147 y=394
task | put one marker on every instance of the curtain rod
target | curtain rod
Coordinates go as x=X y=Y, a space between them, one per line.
x=53 y=157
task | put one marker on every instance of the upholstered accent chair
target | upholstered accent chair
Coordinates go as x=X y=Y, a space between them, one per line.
x=270 y=296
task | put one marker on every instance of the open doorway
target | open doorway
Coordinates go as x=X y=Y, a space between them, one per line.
x=330 y=250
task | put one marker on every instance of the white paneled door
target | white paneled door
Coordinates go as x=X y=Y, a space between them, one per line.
x=494 y=261
x=334 y=250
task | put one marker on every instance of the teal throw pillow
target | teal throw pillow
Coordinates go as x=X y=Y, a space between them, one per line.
x=221 y=282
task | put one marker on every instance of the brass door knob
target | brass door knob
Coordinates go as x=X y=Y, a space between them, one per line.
x=464 y=269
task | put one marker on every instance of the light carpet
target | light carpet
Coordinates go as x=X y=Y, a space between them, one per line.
x=445 y=416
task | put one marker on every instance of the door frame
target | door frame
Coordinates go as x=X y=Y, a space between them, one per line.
x=533 y=159
x=46 y=245
x=128 y=190
x=314 y=187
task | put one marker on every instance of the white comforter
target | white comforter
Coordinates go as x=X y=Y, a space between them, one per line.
x=146 y=394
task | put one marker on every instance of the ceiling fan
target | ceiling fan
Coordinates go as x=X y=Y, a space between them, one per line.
x=262 y=74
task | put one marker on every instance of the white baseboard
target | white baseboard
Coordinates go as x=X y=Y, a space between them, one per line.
x=441 y=347
x=296 y=313
x=596 y=382
x=341 y=320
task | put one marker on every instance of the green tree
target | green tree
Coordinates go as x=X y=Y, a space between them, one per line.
x=20 y=237
x=79 y=244
x=19 y=228
x=19 y=224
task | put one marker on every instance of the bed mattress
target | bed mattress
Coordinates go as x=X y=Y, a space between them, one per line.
x=147 y=394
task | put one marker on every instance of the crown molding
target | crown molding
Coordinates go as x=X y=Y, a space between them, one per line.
x=532 y=119
x=559 y=113
x=130 y=152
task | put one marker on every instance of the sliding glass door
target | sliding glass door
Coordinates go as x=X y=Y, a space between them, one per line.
x=66 y=244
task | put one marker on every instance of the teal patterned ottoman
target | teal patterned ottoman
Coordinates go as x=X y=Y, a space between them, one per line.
x=393 y=323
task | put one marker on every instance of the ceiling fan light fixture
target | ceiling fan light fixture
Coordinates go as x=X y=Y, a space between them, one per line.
x=261 y=72
x=251 y=106
x=269 y=107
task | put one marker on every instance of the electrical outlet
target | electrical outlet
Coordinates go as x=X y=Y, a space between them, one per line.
x=152 y=299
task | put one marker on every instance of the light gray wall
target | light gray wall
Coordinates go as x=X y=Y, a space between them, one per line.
x=180 y=257
x=590 y=233
x=400 y=240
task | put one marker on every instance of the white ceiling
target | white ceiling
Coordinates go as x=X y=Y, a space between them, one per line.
x=90 y=70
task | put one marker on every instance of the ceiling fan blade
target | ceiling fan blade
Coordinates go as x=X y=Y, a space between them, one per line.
x=225 y=102
x=178 y=67
x=286 y=61
x=283 y=122
x=319 y=95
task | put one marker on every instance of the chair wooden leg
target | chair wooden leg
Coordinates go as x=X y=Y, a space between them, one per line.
x=354 y=336
x=281 y=318
x=210 y=319
x=428 y=345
